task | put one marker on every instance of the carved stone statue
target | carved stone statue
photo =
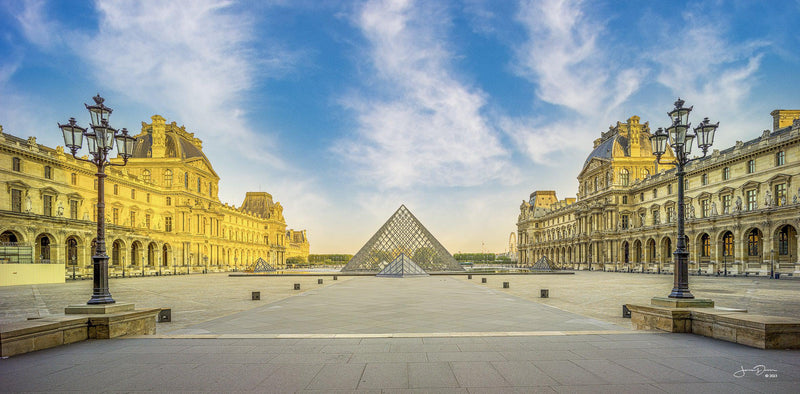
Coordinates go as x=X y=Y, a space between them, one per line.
x=714 y=209
x=739 y=204
x=767 y=199
x=28 y=204
x=783 y=200
x=60 y=209
x=691 y=211
x=794 y=199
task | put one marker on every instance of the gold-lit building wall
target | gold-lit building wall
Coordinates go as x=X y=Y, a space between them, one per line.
x=163 y=214
x=297 y=244
x=742 y=207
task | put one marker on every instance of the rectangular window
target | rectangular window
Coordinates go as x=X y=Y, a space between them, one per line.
x=670 y=214
x=133 y=194
x=624 y=199
x=147 y=197
x=133 y=219
x=705 y=209
x=116 y=190
x=655 y=193
x=780 y=194
x=48 y=172
x=704 y=179
x=115 y=215
x=16 y=164
x=780 y=158
x=168 y=224
x=750 y=196
x=726 y=203
x=751 y=166
x=686 y=184
x=624 y=222
x=169 y=201
x=726 y=173
x=95 y=184
x=147 y=220
x=47 y=205
x=73 y=179
x=641 y=196
x=656 y=217
x=199 y=185
x=16 y=200
x=73 y=209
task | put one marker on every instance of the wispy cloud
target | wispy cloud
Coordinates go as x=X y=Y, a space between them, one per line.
x=564 y=58
x=417 y=123
x=707 y=68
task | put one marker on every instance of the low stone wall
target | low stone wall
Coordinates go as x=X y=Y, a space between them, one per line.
x=763 y=332
x=32 y=335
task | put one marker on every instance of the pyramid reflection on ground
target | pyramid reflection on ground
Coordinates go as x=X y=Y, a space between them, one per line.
x=402 y=234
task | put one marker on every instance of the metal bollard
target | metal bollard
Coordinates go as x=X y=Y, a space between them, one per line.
x=483 y=280
x=165 y=315
x=626 y=313
x=505 y=285
x=319 y=281
x=469 y=276
x=256 y=296
x=297 y=286
x=544 y=293
x=335 y=277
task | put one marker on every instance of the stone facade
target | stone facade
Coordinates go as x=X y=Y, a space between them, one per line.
x=742 y=207
x=297 y=244
x=163 y=214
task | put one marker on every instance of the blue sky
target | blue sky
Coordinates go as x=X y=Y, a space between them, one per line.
x=345 y=110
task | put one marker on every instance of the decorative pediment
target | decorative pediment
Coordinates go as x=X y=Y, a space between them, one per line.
x=780 y=178
x=74 y=196
x=655 y=207
x=48 y=191
x=726 y=190
x=704 y=195
x=593 y=165
x=203 y=165
x=19 y=185
x=750 y=185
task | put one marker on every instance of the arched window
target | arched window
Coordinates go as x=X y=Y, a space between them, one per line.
x=753 y=243
x=727 y=244
x=624 y=177
x=783 y=241
x=705 y=242
x=168 y=178
x=146 y=176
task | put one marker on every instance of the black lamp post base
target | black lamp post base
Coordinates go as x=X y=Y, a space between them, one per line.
x=100 y=299
x=681 y=293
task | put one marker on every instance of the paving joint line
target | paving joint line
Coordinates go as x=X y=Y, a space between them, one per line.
x=392 y=335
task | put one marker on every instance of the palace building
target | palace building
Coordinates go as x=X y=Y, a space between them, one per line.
x=163 y=214
x=742 y=207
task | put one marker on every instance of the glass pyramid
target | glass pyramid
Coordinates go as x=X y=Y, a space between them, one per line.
x=402 y=234
x=402 y=266
x=544 y=264
x=261 y=266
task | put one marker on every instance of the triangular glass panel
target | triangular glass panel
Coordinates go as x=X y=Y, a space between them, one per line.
x=402 y=234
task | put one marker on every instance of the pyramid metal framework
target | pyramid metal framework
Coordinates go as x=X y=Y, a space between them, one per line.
x=544 y=264
x=261 y=266
x=401 y=267
x=402 y=234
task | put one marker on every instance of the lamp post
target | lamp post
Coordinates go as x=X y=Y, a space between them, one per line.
x=123 y=266
x=772 y=263
x=100 y=141
x=74 y=263
x=725 y=264
x=159 y=265
x=680 y=140
x=142 y=266
x=174 y=268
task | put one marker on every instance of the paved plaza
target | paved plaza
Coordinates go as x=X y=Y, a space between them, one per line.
x=432 y=334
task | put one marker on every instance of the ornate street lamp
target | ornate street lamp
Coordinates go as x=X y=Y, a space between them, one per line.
x=680 y=140
x=100 y=141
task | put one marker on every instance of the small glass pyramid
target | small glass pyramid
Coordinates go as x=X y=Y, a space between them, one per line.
x=402 y=234
x=543 y=264
x=261 y=266
x=401 y=267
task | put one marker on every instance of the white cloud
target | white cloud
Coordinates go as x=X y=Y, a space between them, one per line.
x=564 y=59
x=417 y=124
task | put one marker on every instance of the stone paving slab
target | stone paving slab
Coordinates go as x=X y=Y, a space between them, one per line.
x=277 y=365
x=370 y=305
